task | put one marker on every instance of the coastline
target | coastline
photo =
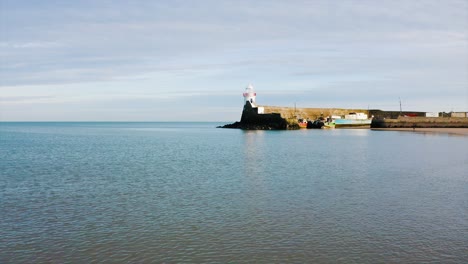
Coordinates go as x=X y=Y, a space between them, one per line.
x=451 y=131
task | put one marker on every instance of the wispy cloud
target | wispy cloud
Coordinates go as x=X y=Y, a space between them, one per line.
x=122 y=49
x=23 y=99
x=30 y=45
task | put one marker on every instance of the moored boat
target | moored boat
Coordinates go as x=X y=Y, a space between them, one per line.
x=330 y=121
x=315 y=124
x=302 y=123
x=330 y=124
x=353 y=120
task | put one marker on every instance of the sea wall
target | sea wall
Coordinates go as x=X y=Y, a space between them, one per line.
x=309 y=113
x=395 y=114
x=420 y=122
x=282 y=118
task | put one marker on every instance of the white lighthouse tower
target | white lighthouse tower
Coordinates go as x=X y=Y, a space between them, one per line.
x=249 y=95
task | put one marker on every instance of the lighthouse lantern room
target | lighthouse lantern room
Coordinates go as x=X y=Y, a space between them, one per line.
x=249 y=95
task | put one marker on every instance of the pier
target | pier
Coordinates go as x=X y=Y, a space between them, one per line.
x=264 y=117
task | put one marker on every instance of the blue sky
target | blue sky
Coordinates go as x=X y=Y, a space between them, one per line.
x=191 y=60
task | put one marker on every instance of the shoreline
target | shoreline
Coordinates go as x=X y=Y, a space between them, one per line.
x=451 y=131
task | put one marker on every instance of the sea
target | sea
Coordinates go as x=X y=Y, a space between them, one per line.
x=179 y=192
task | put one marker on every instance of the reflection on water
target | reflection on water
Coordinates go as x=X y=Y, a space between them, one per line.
x=254 y=156
x=178 y=192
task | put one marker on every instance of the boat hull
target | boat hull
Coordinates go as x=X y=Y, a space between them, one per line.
x=302 y=123
x=353 y=123
x=328 y=125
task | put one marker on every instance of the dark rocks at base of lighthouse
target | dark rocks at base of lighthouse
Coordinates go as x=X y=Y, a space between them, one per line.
x=255 y=119
x=252 y=120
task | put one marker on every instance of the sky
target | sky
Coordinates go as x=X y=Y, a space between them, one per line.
x=191 y=60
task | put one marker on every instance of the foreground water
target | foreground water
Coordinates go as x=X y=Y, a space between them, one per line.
x=188 y=192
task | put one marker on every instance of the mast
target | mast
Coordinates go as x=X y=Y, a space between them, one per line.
x=401 y=113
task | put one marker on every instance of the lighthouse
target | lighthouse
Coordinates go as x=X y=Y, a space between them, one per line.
x=249 y=95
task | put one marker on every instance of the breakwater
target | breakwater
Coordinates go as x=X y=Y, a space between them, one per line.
x=282 y=118
x=285 y=118
x=310 y=113
x=420 y=122
x=279 y=118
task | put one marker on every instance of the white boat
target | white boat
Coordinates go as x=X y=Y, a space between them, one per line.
x=352 y=120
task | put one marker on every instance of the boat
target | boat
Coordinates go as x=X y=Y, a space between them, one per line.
x=352 y=120
x=328 y=125
x=330 y=121
x=315 y=124
x=302 y=123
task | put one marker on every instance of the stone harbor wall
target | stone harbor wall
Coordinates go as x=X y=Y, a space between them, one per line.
x=282 y=118
x=395 y=114
x=420 y=122
x=310 y=113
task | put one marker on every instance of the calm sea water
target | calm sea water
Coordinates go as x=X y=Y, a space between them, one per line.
x=189 y=192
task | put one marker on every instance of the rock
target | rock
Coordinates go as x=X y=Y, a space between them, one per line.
x=251 y=120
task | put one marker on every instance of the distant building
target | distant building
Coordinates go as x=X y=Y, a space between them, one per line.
x=432 y=114
x=459 y=114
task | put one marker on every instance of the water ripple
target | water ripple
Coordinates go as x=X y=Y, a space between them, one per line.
x=113 y=193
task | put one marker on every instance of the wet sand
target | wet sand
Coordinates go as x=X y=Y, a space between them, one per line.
x=452 y=131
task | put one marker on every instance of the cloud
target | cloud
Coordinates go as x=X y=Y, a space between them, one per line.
x=119 y=49
x=23 y=99
x=30 y=45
